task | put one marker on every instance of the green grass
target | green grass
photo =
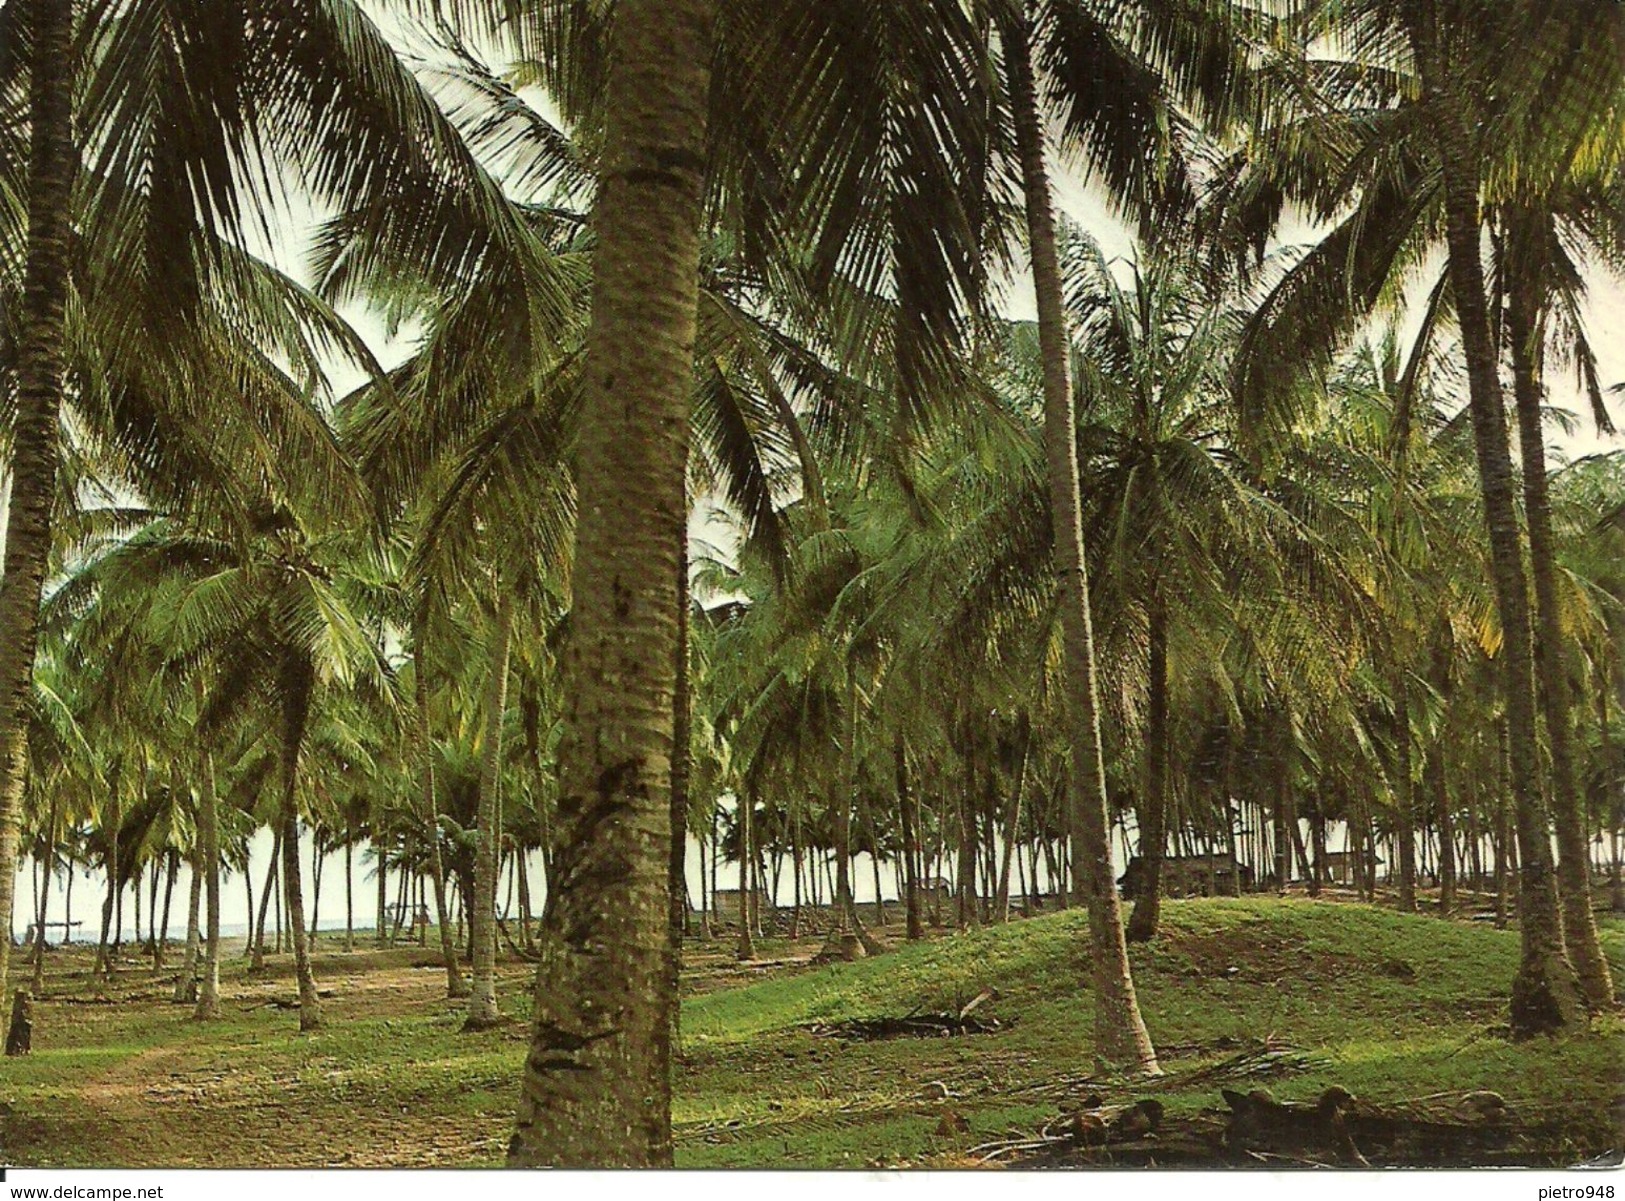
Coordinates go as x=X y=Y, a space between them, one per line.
x=1386 y=1005
x=1392 y=1006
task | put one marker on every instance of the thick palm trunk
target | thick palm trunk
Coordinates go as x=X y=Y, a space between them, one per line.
x=34 y=422
x=1573 y=868
x=482 y=933
x=208 y=831
x=597 y=1088
x=1120 y=1033
x=1545 y=991
x=1142 y=923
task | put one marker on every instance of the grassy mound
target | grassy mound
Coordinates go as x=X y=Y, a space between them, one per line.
x=1386 y=1005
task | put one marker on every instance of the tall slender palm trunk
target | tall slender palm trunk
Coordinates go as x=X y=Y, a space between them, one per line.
x=1142 y=923
x=907 y=805
x=256 y=962
x=747 y=884
x=1404 y=794
x=38 y=982
x=1545 y=991
x=298 y=678
x=482 y=933
x=208 y=830
x=186 y=979
x=1120 y=1033
x=35 y=418
x=455 y=985
x=596 y=1085
x=1573 y=866
x=106 y=955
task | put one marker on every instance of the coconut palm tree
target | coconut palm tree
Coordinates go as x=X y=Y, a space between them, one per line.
x=1464 y=96
x=596 y=1085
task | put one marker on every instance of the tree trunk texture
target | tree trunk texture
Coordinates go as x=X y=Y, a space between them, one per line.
x=596 y=1084
x=1120 y=1034
x=35 y=413
x=482 y=1001
x=1580 y=939
x=1545 y=992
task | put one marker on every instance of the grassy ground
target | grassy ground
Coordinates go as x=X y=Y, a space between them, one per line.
x=1387 y=1006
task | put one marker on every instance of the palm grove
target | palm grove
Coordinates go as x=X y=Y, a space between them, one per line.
x=1241 y=548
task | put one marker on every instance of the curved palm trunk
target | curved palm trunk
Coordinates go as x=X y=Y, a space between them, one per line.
x=1545 y=991
x=1573 y=864
x=1142 y=922
x=482 y=933
x=51 y=162
x=596 y=1086
x=1120 y=1033
x=208 y=823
